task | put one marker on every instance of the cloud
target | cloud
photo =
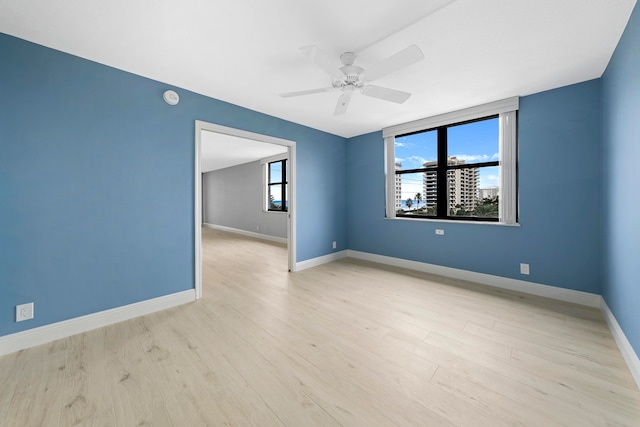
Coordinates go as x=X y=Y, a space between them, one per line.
x=411 y=162
x=477 y=157
x=489 y=181
x=405 y=143
x=416 y=159
x=410 y=188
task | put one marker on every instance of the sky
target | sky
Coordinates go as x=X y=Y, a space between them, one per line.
x=473 y=142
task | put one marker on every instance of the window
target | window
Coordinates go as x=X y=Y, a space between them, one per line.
x=277 y=191
x=442 y=172
x=457 y=166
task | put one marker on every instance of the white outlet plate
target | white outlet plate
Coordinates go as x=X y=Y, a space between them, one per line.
x=524 y=268
x=334 y=245
x=439 y=232
x=24 y=312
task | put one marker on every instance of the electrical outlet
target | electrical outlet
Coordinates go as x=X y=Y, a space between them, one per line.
x=334 y=245
x=524 y=268
x=24 y=312
x=439 y=232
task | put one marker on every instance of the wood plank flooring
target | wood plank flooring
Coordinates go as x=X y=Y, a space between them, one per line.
x=344 y=344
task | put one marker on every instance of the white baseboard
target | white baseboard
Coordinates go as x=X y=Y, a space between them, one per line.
x=567 y=295
x=47 y=333
x=624 y=345
x=247 y=233
x=314 y=262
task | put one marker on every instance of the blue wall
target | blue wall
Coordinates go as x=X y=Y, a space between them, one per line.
x=621 y=95
x=560 y=179
x=96 y=184
x=96 y=189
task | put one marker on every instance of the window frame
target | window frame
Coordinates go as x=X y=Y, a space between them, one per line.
x=506 y=111
x=442 y=169
x=283 y=183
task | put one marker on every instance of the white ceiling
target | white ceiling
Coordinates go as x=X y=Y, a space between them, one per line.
x=219 y=151
x=247 y=51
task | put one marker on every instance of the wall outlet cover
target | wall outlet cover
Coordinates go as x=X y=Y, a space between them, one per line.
x=24 y=312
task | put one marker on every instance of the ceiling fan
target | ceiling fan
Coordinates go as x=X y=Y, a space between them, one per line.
x=350 y=78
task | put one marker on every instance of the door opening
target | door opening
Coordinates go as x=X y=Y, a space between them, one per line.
x=222 y=131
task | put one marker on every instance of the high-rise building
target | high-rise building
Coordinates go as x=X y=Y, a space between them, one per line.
x=398 y=188
x=489 y=192
x=463 y=185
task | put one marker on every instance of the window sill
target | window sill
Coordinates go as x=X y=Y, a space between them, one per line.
x=451 y=221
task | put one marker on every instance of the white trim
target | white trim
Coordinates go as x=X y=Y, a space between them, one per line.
x=197 y=214
x=624 y=345
x=506 y=109
x=291 y=214
x=247 y=233
x=264 y=171
x=274 y=158
x=553 y=292
x=325 y=259
x=47 y=333
x=561 y=294
x=508 y=161
x=497 y=107
x=390 y=176
x=292 y=211
x=452 y=221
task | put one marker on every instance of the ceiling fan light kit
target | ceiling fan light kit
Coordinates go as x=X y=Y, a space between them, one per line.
x=350 y=77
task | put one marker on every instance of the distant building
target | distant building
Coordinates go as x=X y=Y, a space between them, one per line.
x=488 y=193
x=463 y=185
x=398 y=188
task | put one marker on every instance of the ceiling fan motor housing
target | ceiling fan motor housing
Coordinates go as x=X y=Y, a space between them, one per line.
x=348 y=58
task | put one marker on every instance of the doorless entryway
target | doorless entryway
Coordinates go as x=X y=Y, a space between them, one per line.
x=200 y=128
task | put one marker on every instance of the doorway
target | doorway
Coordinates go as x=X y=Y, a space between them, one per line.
x=200 y=128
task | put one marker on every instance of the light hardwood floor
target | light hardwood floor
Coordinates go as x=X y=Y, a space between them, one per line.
x=348 y=343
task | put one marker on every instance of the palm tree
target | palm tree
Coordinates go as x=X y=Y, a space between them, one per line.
x=418 y=200
x=487 y=208
x=409 y=202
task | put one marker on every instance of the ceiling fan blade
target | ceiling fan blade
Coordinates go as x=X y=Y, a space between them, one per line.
x=386 y=94
x=323 y=61
x=343 y=103
x=394 y=63
x=306 y=92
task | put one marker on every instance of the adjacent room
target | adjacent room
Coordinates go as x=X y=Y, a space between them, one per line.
x=243 y=187
x=300 y=213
